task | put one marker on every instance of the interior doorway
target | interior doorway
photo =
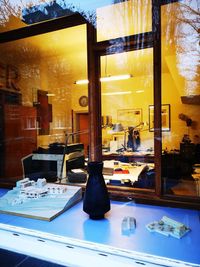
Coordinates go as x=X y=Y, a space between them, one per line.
x=81 y=124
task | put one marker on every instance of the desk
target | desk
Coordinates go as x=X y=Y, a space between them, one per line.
x=75 y=225
x=129 y=157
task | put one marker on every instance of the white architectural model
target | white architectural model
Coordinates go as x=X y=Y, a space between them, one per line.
x=128 y=225
x=167 y=226
x=31 y=189
x=39 y=199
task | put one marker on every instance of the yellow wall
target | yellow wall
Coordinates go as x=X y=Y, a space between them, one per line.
x=171 y=95
x=180 y=71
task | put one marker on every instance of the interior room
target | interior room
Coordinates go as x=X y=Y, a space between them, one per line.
x=44 y=82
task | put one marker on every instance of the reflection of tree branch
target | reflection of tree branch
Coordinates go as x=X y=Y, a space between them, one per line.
x=191 y=23
x=186 y=9
x=193 y=11
x=7 y=9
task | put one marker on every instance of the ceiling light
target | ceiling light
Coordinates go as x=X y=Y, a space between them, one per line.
x=82 y=82
x=139 y=91
x=118 y=93
x=50 y=94
x=107 y=78
x=115 y=78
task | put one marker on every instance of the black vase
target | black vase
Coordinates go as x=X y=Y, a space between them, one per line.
x=96 y=201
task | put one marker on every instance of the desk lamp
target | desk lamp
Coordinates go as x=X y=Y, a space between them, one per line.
x=131 y=130
x=134 y=136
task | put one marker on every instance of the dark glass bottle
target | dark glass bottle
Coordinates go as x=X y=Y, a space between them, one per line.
x=96 y=201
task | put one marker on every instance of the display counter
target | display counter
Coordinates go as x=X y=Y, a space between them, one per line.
x=72 y=239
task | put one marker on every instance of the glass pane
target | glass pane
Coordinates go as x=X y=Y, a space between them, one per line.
x=125 y=117
x=114 y=18
x=124 y=19
x=17 y=14
x=11 y=15
x=181 y=92
x=40 y=102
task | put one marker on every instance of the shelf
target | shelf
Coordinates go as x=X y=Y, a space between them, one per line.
x=8 y=90
x=9 y=96
x=191 y=99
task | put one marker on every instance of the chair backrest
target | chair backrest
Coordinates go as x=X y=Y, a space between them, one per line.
x=26 y=164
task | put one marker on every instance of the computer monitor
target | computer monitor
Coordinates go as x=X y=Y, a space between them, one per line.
x=48 y=163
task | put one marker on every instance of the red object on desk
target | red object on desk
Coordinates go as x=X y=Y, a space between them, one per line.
x=121 y=172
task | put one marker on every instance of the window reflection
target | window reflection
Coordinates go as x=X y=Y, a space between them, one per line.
x=123 y=19
x=38 y=94
x=180 y=88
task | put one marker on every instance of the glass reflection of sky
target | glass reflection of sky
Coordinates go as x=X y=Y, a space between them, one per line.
x=86 y=5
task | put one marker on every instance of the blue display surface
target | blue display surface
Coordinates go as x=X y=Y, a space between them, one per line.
x=76 y=224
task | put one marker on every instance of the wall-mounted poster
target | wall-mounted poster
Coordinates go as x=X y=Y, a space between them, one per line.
x=165 y=117
x=129 y=117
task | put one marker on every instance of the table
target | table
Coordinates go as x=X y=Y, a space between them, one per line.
x=196 y=177
x=106 y=235
x=129 y=157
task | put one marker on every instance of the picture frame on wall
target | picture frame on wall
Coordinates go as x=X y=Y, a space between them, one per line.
x=165 y=117
x=129 y=117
